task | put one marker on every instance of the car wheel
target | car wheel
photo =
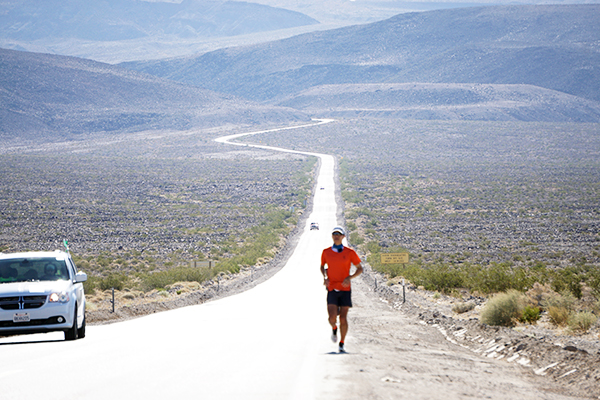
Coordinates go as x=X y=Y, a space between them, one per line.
x=71 y=333
x=81 y=331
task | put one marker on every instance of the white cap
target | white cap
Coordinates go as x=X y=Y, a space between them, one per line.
x=338 y=229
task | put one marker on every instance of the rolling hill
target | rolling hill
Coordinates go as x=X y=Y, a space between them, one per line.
x=47 y=97
x=444 y=101
x=552 y=47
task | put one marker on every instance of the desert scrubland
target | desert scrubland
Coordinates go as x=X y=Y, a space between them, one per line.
x=132 y=208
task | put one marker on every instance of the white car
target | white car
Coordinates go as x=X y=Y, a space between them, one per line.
x=41 y=292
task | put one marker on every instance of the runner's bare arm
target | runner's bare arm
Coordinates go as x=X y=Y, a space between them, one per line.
x=359 y=270
x=325 y=277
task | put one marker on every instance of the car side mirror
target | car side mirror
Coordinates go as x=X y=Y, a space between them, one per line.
x=80 y=277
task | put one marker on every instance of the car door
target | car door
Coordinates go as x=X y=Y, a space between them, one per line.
x=77 y=291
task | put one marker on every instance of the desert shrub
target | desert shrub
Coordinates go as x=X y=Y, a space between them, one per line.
x=90 y=285
x=538 y=293
x=503 y=309
x=374 y=247
x=162 y=279
x=463 y=307
x=564 y=300
x=118 y=281
x=355 y=238
x=596 y=307
x=593 y=282
x=441 y=277
x=436 y=277
x=568 y=278
x=530 y=314
x=581 y=321
x=496 y=278
x=558 y=315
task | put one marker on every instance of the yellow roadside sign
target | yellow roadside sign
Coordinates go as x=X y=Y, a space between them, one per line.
x=394 y=258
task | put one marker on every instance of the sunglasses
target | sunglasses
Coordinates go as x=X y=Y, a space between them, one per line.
x=336 y=234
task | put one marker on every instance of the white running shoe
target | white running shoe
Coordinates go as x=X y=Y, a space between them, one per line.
x=334 y=335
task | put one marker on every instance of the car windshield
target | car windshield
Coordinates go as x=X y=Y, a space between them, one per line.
x=33 y=269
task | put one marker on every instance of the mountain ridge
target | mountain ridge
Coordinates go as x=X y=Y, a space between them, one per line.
x=50 y=97
x=554 y=47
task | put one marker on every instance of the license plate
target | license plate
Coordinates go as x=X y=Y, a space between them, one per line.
x=21 y=317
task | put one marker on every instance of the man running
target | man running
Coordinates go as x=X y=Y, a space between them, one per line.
x=337 y=280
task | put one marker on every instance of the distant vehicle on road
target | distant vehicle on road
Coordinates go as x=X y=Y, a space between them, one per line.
x=41 y=292
x=314 y=225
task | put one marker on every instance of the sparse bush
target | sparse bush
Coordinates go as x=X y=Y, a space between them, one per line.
x=355 y=238
x=503 y=309
x=530 y=315
x=564 y=300
x=596 y=307
x=558 y=315
x=89 y=286
x=568 y=278
x=441 y=277
x=117 y=281
x=162 y=279
x=538 y=293
x=373 y=247
x=581 y=321
x=594 y=282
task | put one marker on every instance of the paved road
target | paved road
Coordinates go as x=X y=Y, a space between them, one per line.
x=271 y=342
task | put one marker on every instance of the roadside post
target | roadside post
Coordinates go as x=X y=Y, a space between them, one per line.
x=396 y=258
x=113 y=300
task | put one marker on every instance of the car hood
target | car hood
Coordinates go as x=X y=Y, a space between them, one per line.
x=33 y=287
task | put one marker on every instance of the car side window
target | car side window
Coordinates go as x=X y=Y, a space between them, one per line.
x=72 y=269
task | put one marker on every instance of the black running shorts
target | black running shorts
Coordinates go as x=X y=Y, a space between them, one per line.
x=343 y=298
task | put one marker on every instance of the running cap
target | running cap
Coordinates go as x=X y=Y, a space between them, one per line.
x=338 y=229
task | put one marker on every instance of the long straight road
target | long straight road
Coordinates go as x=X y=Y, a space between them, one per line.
x=270 y=342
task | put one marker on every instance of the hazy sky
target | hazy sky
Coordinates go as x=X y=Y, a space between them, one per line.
x=363 y=11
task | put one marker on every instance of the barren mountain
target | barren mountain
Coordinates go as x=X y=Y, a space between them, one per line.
x=553 y=47
x=57 y=97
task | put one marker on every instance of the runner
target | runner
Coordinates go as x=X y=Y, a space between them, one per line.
x=339 y=260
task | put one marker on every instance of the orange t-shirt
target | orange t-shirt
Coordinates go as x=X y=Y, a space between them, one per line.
x=338 y=266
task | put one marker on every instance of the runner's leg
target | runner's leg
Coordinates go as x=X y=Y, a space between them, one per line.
x=343 y=322
x=332 y=310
